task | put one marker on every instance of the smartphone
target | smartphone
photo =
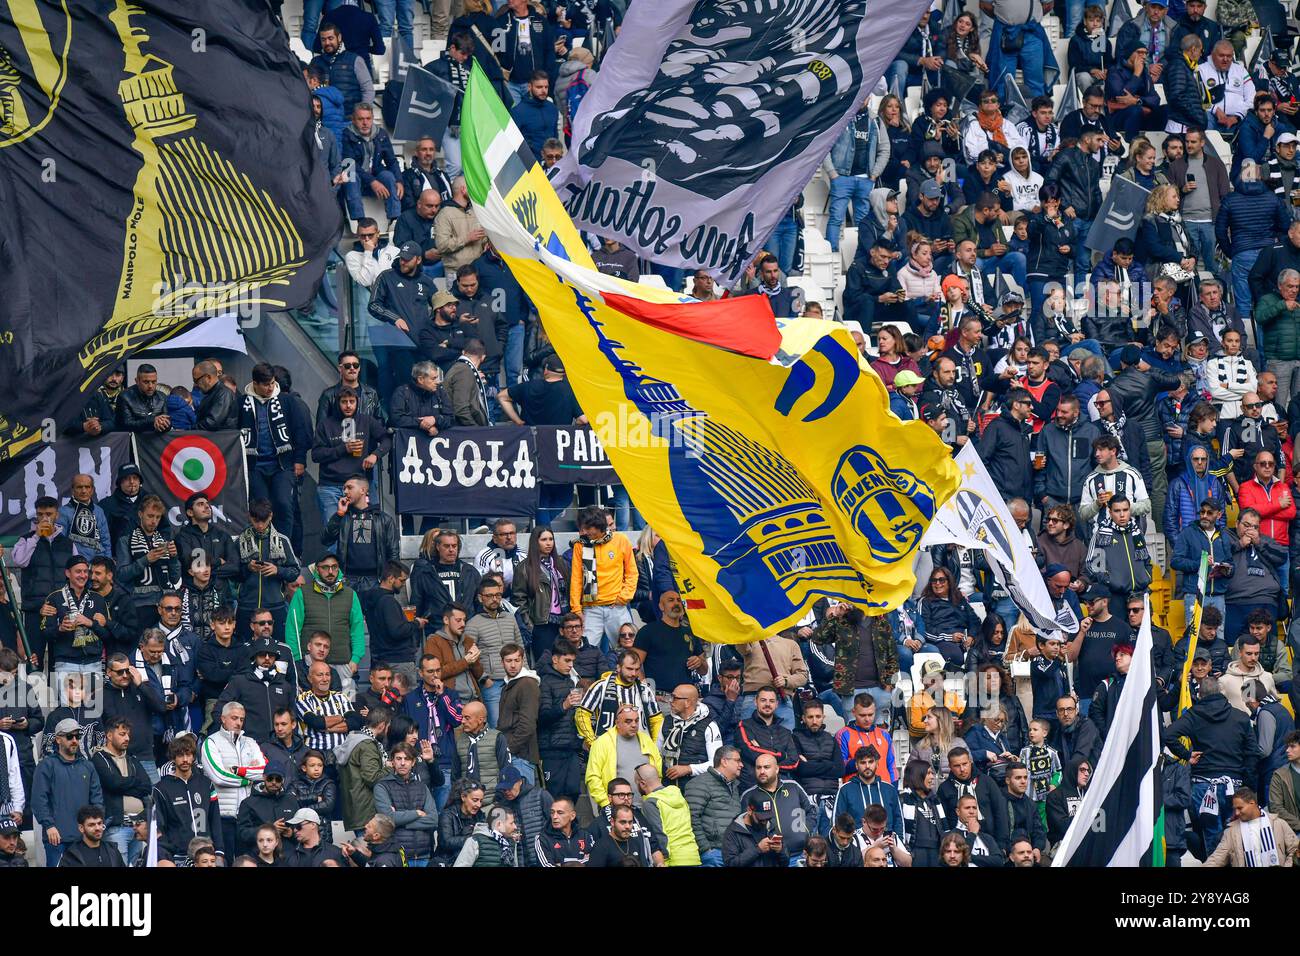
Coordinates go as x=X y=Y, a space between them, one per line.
x=1191 y=177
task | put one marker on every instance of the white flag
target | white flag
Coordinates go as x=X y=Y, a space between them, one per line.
x=977 y=517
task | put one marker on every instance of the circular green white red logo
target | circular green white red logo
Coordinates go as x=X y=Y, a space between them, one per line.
x=193 y=465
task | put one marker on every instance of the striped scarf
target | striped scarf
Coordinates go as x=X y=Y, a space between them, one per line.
x=1258 y=842
x=157 y=574
x=165 y=674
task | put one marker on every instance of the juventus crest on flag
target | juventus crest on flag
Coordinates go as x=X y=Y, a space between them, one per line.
x=708 y=118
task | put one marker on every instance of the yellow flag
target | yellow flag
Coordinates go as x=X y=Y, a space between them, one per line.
x=762 y=452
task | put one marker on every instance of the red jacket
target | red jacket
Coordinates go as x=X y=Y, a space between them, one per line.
x=1274 y=517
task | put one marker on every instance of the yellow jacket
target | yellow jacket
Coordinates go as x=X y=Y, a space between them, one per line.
x=602 y=762
x=667 y=811
x=616 y=573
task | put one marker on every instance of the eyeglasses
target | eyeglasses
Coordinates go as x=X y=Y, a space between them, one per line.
x=72 y=736
x=1103 y=401
x=350 y=365
x=679 y=697
x=119 y=670
x=1055 y=521
x=1265 y=464
x=169 y=608
x=1135 y=610
x=939 y=580
x=263 y=623
x=1252 y=404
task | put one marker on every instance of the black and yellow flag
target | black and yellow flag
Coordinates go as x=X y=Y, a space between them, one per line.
x=157 y=167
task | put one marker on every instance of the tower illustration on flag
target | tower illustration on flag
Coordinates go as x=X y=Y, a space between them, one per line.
x=760 y=451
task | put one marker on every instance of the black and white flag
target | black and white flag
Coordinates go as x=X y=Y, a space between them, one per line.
x=709 y=117
x=426 y=107
x=1120 y=215
x=1115 y=824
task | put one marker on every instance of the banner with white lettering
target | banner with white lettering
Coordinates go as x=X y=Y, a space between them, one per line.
x=572 y=455
x=467 y=472
x=50 y=470
x=177 y=464
x=708 y=118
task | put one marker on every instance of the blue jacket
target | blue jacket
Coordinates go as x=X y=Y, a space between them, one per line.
x=64 y=521
x=59 y=789
x=900 y=406
x=332 y=114
x=537 y=120
x=1183 y=503
x=854 y=797
x=1187 y=557
x=1105 y=269
x=1252 y=143
x=1250 y=217
x=1182 y=92
x=354 y=148
x=449 y=715
x=842 y=151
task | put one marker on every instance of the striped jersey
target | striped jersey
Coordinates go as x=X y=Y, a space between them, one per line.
x=335 y=704
x=604 y=698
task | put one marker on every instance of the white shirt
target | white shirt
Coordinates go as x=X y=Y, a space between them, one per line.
x=975 y=140
x=366 y=267
x=1238 y=90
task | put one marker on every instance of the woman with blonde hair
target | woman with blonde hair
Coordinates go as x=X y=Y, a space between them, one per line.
x=646 y=599
x=1163 y=238
x=894 y=127
x=940 y=738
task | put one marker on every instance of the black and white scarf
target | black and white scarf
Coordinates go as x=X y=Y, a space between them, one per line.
x=590 y=581
x=165 y=673
x=83 y=529
x=1116 y=430
x=277 y=419
x=158 y=573
x=270 y=547
x=509 y=856
x=78 y=607
x=673 y=734
x=481 y=382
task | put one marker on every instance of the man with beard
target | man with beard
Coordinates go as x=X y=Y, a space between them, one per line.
x=200 y=541
x=120 y=508
x=99 y=417
x=963 y=783
x=942 y=392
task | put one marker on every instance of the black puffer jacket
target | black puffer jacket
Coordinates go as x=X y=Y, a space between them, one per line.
x=556 y=731
x=454 y=828
x=410 y=403
x=820 y=766
x=400 y=799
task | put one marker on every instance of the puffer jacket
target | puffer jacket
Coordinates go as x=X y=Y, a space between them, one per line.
x=136 y=412
x=233 y=762
x=819 y=770
x=1069 y=460
x=1250 y=217
x=532 y=810
x=454 y=828
x=1183 y=92
x=400 y=799
x=557 y=733
x=715 y=804
x=1281 y=328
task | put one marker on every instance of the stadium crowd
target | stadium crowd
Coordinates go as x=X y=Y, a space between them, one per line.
x=551 y=705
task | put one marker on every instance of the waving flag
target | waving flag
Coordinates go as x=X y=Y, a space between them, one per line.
x=977 y=517
x=763 y=453
x=1117 y=824
x=709 y=117
x=157 y=169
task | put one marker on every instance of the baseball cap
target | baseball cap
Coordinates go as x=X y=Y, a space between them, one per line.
x=1095 y=591
x=73 y=561
x=263 y=646
x=8 y=825
x=930 y=413
x=509 y=777
x=1011 y=298
x=1197 y=337
x=275 y=768
x=1201 y=654
x=931 y=190
x=930 y=668
x=440 y=299
x=553 y=363
x=760 y=804
x=1286 y=138
x=907 y=377
x=304 y=816
x=66 y=726
x=410 y=250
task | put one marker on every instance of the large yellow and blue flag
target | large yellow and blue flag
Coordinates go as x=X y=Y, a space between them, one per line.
x=763 y=452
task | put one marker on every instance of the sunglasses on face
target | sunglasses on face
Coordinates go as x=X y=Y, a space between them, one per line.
x=351 y=365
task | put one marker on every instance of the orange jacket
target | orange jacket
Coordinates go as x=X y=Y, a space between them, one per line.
x=1273 y=517
x=616 y=573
